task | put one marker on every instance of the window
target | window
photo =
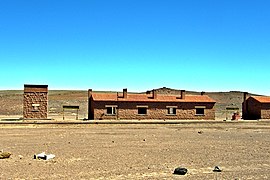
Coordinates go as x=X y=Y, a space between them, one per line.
x=199 y=111
x=171 y=110
x=35 y=107
x=142 y=110
x=111 y=110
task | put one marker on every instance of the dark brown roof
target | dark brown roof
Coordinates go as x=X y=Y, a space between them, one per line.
x=28 y=88
x=35 y=86
x=148 y=98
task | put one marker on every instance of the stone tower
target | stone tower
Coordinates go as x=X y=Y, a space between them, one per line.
x=35 y=102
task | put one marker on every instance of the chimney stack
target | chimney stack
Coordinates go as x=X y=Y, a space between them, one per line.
x=245 y=95
x=245 y=108
x=183 y=94
x=154 y=93
x=89 y=93
x=125 y=93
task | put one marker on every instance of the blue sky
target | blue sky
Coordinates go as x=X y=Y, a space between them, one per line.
x=201 y=45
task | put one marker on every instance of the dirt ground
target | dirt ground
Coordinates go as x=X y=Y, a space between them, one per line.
x=137 y=151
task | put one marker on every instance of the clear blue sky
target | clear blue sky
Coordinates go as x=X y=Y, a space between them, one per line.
x=201 y=45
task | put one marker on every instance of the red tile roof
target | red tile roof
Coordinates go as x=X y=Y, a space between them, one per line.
x=148 y=98
x=262 y=99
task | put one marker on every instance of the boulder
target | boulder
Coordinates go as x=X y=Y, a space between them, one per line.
x=4 y=155
x=217 y=169
x=180 y=171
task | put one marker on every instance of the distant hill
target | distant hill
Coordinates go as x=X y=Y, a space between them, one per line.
x=11 y=101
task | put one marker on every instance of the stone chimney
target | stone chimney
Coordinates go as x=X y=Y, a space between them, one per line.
x=183 y=94
x=246 y=95
x=89 y=93
x=125 y=93
x=154 y=94
x=245 y=108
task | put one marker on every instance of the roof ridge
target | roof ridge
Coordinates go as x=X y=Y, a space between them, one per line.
x=149 y=98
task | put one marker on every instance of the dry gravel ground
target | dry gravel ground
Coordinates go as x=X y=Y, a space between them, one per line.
x=137 y=151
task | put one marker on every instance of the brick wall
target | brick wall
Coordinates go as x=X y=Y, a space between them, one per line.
x=129 y=110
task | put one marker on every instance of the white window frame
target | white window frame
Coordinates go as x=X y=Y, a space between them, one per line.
x=171 y=110
x=113 y=110
x=200 y=107
x=145 y=107
x=35 y=107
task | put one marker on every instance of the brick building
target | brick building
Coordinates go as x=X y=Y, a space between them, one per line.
x=35 y=102
x=256 y=107
x=150 y=105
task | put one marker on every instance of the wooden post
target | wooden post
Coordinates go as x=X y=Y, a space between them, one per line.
x=63 y=113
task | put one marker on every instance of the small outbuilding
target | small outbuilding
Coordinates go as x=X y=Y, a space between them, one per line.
x=35 y=101
x=73 y=109
x=256 y=107
x=150 y=105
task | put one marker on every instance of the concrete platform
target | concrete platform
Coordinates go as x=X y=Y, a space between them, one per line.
x=52 y=121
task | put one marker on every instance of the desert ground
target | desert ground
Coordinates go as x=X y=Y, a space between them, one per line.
x=137 y=151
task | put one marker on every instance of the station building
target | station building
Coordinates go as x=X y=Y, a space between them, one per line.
x=150 y=105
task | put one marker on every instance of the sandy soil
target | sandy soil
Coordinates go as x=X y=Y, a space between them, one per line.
x=138 y=151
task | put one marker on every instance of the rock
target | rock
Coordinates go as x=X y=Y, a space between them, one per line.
x=44 y=156
x=217 y=169
x=200 y=132
x=180 y=171
x=40 y=156
x=4 y=155
x=50 y=156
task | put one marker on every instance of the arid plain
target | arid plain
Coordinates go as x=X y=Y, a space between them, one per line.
x=137 y=151
x=131 y=151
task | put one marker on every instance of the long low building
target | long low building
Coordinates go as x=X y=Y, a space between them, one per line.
x=150 y=105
